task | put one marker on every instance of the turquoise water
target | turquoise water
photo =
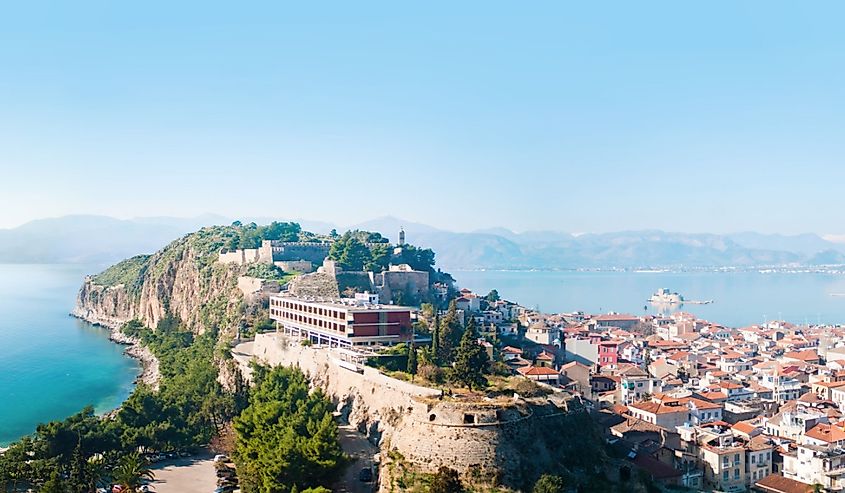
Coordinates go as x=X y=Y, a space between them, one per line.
x=740 y=298
x=52 y=365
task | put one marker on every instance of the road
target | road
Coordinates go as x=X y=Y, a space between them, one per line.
x=187 y=475
x=357 y=446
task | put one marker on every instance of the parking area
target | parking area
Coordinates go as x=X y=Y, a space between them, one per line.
x=185 y=475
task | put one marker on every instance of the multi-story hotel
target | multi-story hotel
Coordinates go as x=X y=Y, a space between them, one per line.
x=342 y=322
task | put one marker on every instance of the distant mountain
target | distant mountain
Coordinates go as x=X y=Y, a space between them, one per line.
x=101 y=239
x=804 y=244
x=87 y=239
x=827 y=257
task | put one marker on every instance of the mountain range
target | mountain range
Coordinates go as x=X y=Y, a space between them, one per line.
x=102 y=240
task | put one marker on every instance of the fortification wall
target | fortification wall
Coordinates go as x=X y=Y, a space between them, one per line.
x=302 y=266
x=254 y=288
x=474 y=438
x=240 y=257
x=280 y=250
x=413 y=285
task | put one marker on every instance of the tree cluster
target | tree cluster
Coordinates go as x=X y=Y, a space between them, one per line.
x=286 y=438
x=85 y=451
x=250 y=235
x=457 y=348
x=366 y=251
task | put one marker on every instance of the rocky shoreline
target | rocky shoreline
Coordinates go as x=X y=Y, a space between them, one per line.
x=150 y=374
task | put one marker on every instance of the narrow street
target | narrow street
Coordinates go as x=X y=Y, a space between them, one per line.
x=356 y=445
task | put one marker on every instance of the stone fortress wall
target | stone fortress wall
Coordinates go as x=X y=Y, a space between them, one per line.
x=272 y=251
x=475 y=438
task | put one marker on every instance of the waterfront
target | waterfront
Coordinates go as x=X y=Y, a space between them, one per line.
x=52 y=365
x=740 y=298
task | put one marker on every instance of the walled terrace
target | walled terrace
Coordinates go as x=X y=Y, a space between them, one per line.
x=482 y=438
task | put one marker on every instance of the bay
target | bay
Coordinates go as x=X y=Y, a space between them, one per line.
x=739 y=298
x=52 y=365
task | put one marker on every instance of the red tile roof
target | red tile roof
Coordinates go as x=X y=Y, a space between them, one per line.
x=775 y=483
x=536 y=371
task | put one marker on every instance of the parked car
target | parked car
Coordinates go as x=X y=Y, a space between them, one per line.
x=221 y=458
x=366 y=475
x=225 y=489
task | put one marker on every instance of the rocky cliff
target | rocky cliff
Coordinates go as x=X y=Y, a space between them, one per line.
x=183 y=280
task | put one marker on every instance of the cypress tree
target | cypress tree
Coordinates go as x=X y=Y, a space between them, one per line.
x=470 y=360
x=412 y=360
x=435 y=339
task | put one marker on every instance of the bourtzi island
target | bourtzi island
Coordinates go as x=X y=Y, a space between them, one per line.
x=309 y=362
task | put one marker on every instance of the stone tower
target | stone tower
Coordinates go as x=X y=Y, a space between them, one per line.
x=401 y=236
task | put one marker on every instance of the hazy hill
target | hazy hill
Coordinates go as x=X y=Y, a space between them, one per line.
x=100 y=239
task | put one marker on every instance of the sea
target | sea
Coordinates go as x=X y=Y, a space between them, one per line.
x=51 y=364
x=738 y=298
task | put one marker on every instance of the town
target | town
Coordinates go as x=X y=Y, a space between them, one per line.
x=686 y=401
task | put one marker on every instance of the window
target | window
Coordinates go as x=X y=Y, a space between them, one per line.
x=736 y=473
x=726 y=475
x=753 y=459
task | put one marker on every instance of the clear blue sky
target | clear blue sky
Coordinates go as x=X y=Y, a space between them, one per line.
x=577 y=116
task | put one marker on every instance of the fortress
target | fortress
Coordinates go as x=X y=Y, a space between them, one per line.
x=483 y=439
x=287 y=255
x=304 y=257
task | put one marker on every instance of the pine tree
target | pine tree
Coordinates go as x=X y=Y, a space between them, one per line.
x=412 y=360
x=470 y=360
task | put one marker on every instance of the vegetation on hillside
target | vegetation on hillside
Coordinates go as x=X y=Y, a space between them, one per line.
x=251 y=235
x=286 y=439
x=85 y=450
x=128 y=273
x=269 y=272
x=366 y=251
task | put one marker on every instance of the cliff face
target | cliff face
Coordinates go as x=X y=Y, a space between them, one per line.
x=183 y=279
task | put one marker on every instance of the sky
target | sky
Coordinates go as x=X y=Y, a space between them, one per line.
x=572 y=116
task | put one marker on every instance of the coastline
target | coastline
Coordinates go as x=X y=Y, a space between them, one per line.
x=150 y=374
